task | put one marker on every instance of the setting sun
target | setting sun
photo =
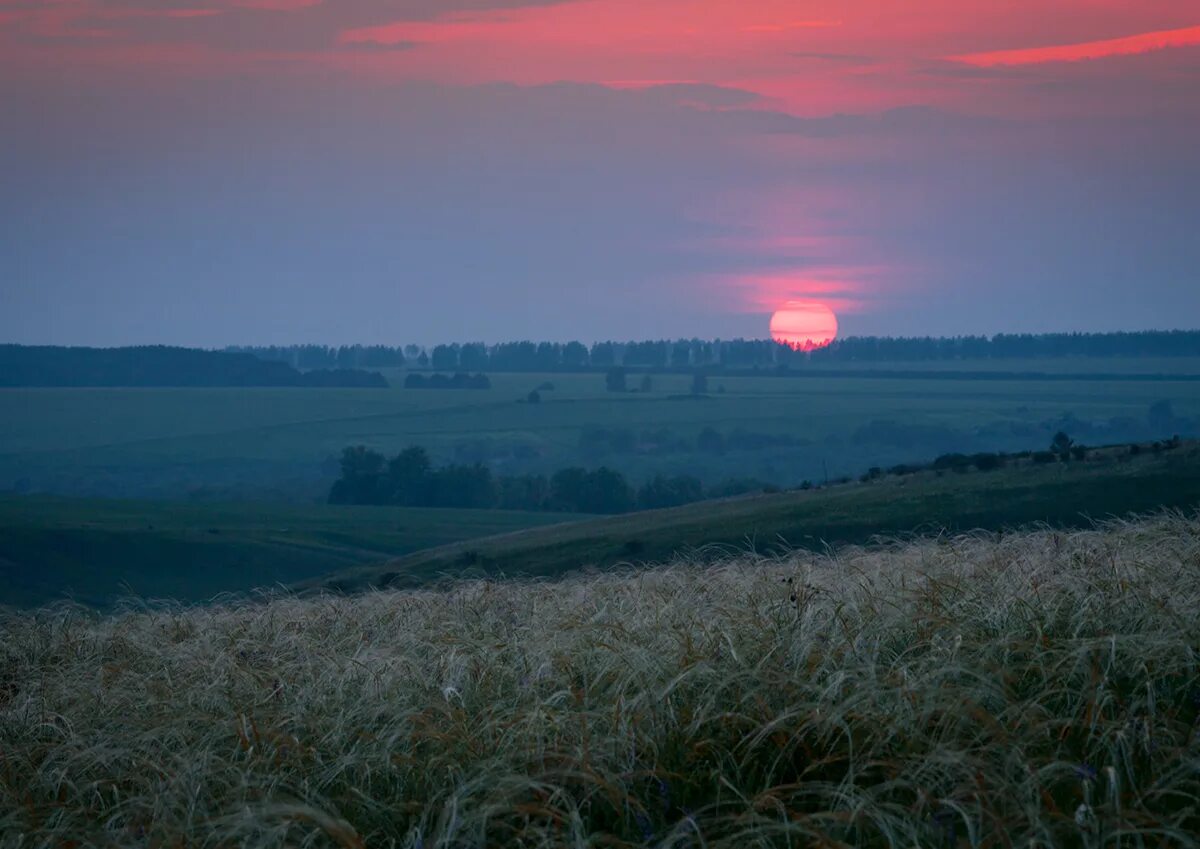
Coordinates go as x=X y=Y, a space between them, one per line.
x=804 y=325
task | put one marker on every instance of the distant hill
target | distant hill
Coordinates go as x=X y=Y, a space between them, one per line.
x=99 y=551
x=1112 y=482
x=22 y=365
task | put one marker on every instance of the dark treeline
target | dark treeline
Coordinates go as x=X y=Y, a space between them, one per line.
x=411 y=480
x=323 y=356
x=161 y=366
x=733 y=353
x=441 y=381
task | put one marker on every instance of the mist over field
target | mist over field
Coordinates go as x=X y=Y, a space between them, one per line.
x=478 y=424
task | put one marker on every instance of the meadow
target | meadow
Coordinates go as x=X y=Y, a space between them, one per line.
x=97 y=552
x=1035 y=689
x=282 y=444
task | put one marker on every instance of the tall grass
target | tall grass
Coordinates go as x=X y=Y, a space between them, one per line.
x=1039 y=689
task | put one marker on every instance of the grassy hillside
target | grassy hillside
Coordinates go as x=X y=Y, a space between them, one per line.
x=95 y=551
x=1037 y=690
x=1110 y=483
x=278 y=444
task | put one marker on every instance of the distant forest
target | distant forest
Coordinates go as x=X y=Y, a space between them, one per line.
x=730 y=353
x=162 y=366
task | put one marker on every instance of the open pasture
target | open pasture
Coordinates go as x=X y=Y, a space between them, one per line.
x=283 y=443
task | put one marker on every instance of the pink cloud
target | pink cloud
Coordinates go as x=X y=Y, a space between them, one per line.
x=1127 y=46
x=276 y=5
x=791 y=25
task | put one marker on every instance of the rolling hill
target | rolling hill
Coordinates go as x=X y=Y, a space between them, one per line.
x=98 y=551
x=1110 y=483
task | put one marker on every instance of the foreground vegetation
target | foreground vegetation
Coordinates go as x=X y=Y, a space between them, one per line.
x=1034 y=689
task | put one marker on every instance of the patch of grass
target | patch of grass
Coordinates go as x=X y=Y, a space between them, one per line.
x=1040 y=689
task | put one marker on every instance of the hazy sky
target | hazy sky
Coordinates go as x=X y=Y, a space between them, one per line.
x=270 y=171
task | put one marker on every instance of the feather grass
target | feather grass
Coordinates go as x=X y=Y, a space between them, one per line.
x=1036 y=689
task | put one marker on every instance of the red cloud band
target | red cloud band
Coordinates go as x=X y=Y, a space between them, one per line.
x=1129 y=45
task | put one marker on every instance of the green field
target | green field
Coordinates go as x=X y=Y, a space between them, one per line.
x=282 y=444
x=1109 y=484
x=97 y=551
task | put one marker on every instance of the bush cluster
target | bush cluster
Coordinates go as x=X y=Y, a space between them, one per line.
x=441 y=381
x=410 y=479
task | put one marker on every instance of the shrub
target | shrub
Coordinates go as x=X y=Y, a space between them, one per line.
x=987 y=462
x=952 y=461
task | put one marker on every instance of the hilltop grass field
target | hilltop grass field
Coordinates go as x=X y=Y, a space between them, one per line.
x=97 y=552
x=283 y=444
x=1039 y=689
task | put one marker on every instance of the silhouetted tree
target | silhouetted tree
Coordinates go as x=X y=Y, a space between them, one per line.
x=566 y=488
x=614 y=379
x=581 y=491
x=1061 y=445
x=445 y=357
x=463 y=487
x=661 y=491
x=987 y=462
x=524 y=492
x=473 y=357
x=361 y=479
x=604 y=354
x=607 y=491
x=574 y=355
x=699 y=383
x=409 y=477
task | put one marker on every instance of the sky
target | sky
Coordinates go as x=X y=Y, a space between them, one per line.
x=214 y=172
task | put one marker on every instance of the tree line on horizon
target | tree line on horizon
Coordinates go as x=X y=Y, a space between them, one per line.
x=164 y=366
x=733 y=353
